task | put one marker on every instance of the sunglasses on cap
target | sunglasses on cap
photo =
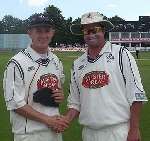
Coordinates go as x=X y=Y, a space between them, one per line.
x=92 y=30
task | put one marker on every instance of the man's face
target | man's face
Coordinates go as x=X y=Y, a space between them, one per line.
x=93 y=35
x=41 y=37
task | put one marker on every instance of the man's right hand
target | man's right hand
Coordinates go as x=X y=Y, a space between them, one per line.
x=58 y=123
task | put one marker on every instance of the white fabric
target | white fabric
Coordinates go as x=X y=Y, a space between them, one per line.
x=110 y=104
x=96 y=17
x=39 y=136
x=113 y=133
x=19 y=91
x=43 y=56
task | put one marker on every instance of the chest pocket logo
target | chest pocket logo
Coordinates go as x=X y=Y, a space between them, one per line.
x=31 y=68
x=110 y=57
x=95 y=79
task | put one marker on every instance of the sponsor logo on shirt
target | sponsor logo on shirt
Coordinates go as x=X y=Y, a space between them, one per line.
x=48 y=80
x=140 y=96
x=95 y=79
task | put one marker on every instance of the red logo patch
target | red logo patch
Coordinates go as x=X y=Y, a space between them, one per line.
x=95 y=79
x=48 y=81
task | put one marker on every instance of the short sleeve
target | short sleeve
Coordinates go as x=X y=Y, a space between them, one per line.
x=62 y=75
x=13 y=85
x=74 y=96
x=134 y=87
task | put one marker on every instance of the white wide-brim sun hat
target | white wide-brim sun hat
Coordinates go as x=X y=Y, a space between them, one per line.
x=90 y=18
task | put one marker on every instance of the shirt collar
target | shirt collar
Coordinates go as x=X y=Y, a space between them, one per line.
x=106 y=49
x=34 y=55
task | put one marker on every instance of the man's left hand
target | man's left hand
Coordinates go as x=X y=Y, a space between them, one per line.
x=58 y=95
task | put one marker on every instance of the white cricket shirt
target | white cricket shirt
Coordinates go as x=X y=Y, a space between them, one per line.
x=100 y=91
x=24 y=75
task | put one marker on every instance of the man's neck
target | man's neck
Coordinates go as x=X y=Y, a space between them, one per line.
x=93 y=52
x=39 y=50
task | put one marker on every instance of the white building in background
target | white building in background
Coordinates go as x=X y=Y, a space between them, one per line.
x=14 y=41
x=131 y=40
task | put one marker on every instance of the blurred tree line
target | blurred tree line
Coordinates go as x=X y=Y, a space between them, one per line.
x=12 y=25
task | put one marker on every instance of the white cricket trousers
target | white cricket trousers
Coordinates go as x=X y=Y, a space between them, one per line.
x=38 y=136
x=113 y=133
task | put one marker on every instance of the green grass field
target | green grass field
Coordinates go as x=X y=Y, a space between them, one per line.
x=74 y=132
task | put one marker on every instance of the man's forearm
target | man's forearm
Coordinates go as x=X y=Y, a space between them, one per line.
x=28 y=112
x=51 y=121
x=72 y=114
x=135 y=114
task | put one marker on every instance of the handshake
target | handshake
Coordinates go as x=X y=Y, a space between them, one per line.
x=52 y=98
x=58 y=123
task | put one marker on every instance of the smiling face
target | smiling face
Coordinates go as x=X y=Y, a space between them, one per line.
x=94 y=35
x=41 y=37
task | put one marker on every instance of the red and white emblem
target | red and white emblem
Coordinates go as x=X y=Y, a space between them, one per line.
x=95 y=79
x=48 y=80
